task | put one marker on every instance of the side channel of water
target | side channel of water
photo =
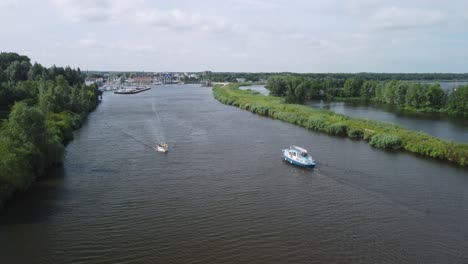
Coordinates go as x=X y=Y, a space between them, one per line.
x=438 y=125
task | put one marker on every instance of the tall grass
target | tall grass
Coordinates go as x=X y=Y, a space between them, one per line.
x=378 y=134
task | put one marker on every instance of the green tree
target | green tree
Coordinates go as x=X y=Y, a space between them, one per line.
x=295 y=89
x=27 y=129
x=7 y=58
x=276 y=85
x=435 y=96
x=26 y=124
x=16 y=172
x=45 y=109
x=413 y=95
x=399 y=94
x=457 y=101
x=367 y=90
x=35 y=72
x=352 y=86
x=315 y=90
x=17 y=71
x=26 y=90
x=389 y=91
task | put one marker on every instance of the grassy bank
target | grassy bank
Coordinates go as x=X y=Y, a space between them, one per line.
x=378 y=134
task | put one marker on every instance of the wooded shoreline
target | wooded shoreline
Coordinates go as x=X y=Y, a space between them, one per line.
x=45 y=106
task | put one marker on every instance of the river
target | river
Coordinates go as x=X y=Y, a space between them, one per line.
x=223 y=195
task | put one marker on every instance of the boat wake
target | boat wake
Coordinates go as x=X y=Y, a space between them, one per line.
x=129 y=135
x=136 y=139
x=159 y=136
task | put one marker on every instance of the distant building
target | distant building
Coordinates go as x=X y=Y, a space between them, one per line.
x=239 y=80
x=167 y=77
x=97 y=81
x=143 y=79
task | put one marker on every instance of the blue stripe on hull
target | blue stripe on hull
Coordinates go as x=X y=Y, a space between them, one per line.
x=287 y=159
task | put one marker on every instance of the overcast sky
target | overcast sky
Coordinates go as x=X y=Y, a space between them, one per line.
x=240 y=35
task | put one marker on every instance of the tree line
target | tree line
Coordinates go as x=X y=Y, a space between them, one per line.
x=255 y=77
x=44 y=106
x=403 y=94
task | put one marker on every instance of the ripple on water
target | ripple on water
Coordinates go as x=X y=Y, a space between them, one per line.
x=223 y=195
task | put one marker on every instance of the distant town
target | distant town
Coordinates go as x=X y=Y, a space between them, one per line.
x=112 y=81
x=108 y=81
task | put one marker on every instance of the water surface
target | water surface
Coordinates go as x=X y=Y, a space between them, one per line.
x=438 y=125
x=449 y=85
x=259 y=88
x=223 y=195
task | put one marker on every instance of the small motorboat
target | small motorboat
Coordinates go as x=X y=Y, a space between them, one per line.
x=161 y=147
x=298 y=156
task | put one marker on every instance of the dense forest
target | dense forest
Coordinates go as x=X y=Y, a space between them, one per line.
x=403 y=94
x=42 y=107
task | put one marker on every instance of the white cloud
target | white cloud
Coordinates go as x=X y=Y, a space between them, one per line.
x=96 y=10
x=137 y=12
x=255 y=4
x=88 y=43
x=395 y=18
x=83 y=10
x=238 y=35
x=9 y=3
x=177 y=20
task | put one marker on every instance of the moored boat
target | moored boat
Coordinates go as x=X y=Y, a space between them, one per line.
x=132 y=90
x=298 y=156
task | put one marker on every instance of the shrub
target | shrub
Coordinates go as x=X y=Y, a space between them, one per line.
x=317 y=123
x=368 y=134
x=337 y=129
x=355 y=133
x=386 y=141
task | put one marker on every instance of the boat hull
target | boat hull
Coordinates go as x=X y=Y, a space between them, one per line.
x=295 y=162
x=138 y=90
x=160 y=149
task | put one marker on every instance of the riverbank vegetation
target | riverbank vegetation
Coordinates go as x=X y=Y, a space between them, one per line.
x=410 y=96
x=378 y=134
x=336 y=77
x=44 y=106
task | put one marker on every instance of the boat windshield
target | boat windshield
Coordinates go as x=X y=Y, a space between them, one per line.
x=299 y=149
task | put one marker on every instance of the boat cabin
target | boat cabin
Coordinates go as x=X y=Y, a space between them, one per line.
x=299 y=150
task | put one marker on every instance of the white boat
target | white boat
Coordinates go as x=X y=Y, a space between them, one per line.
x=161 y=147
x=298 y=156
